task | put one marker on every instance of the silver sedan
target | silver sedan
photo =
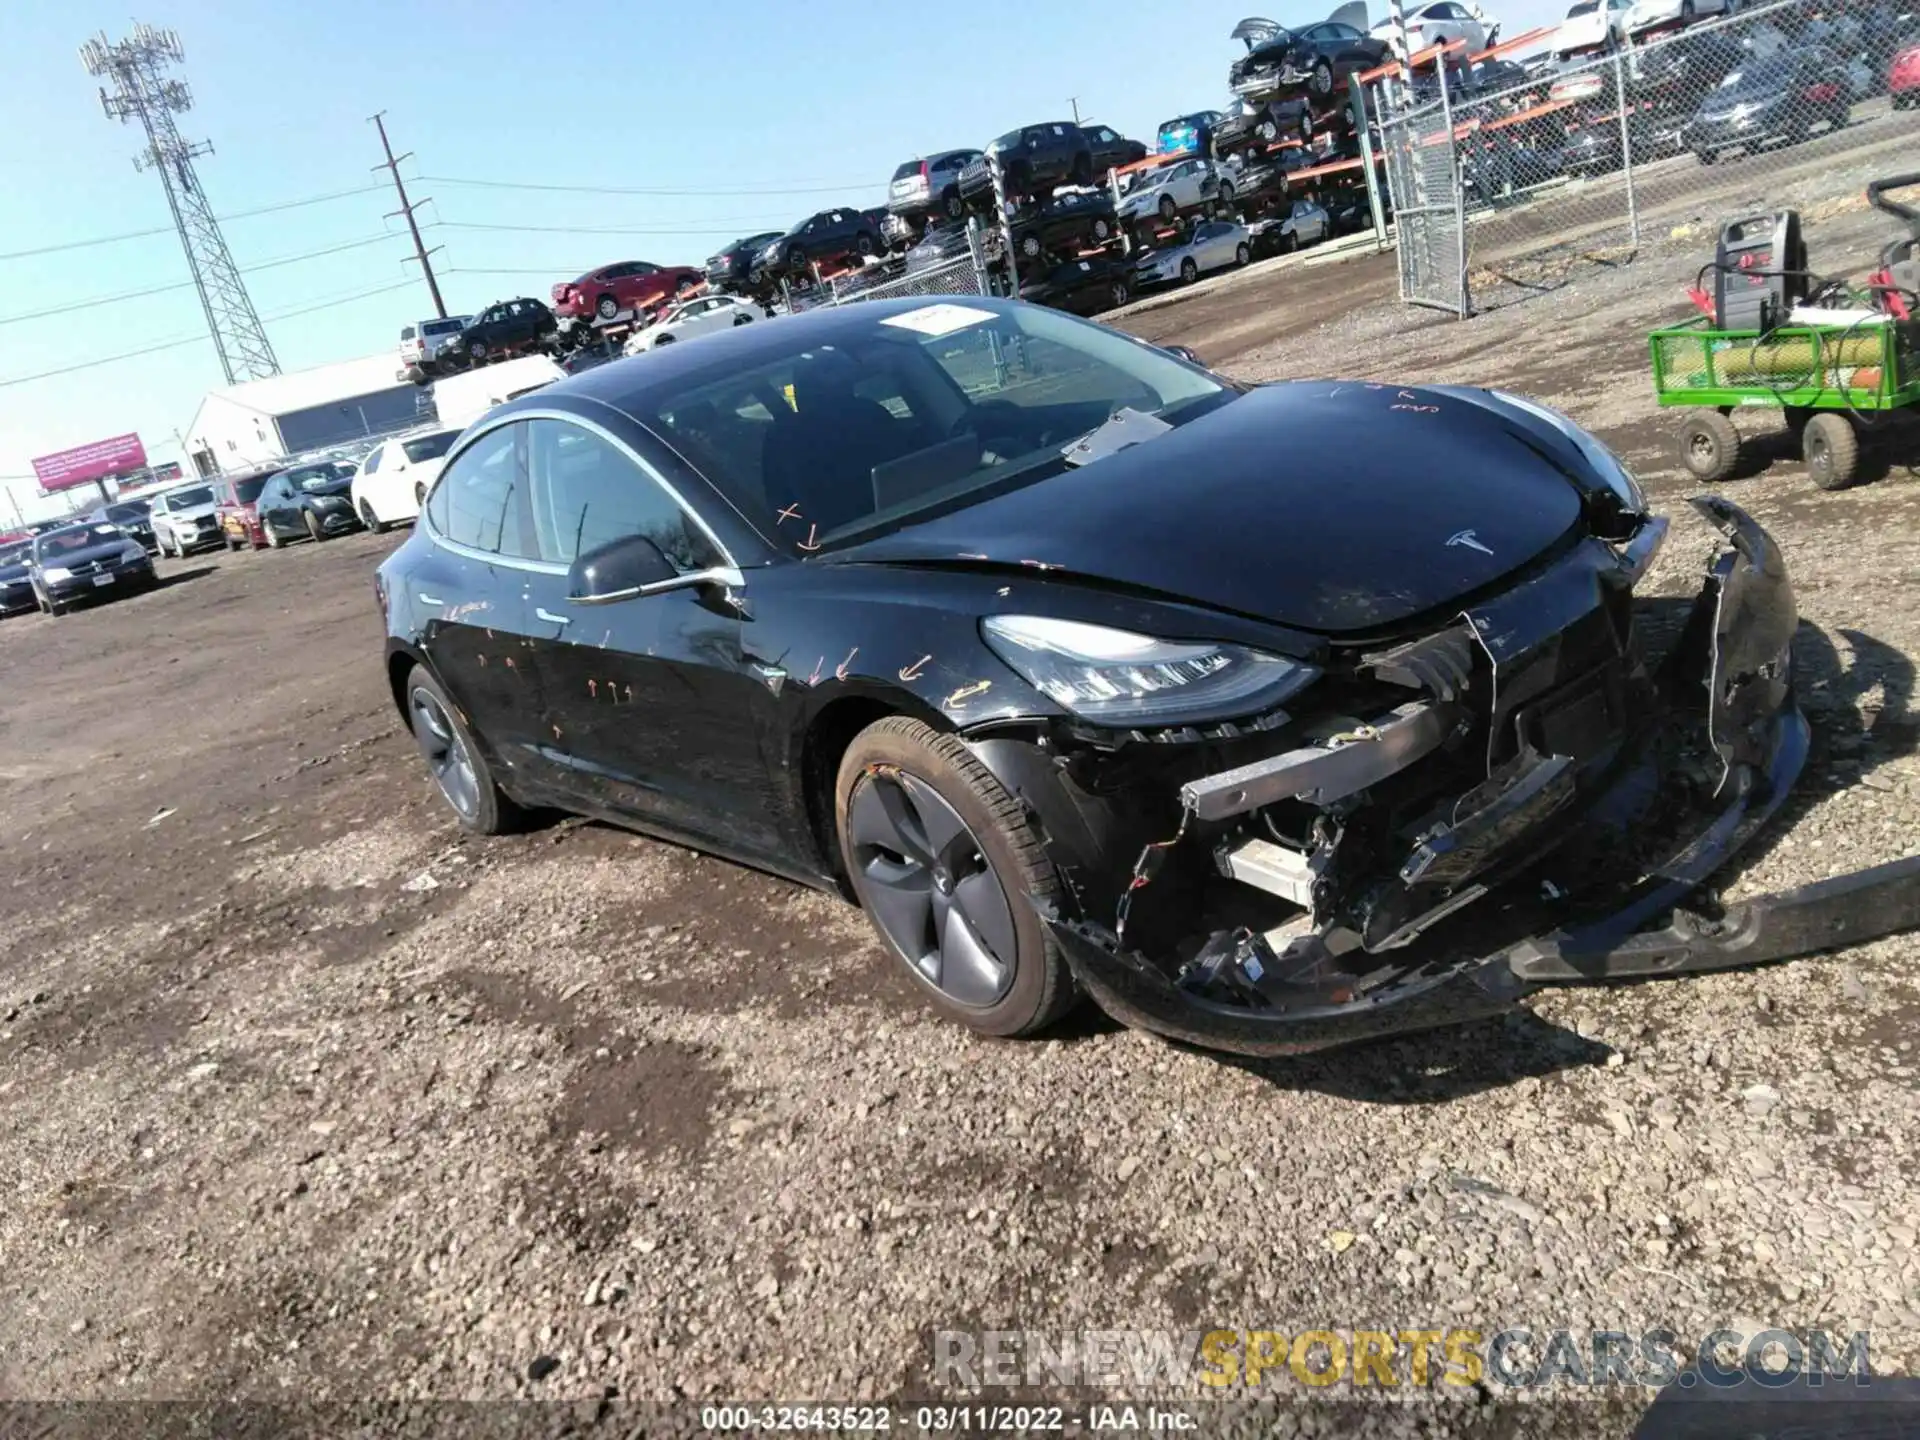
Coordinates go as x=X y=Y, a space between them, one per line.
x=1213 y=245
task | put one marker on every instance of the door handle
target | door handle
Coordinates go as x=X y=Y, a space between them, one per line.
x=553 y=619
x=430 y=600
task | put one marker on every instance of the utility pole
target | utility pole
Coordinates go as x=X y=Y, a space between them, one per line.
x=420 y=251
x=141 y=94
x=1074 y=101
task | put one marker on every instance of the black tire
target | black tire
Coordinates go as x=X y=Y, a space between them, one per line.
x=232 y=544
x=899 y=750
x=1266 y=132
x=660 y=340
x=1225 y=194
x=952 y=206
x=1831 y=450
x=742 y=319
x=1287 y=242
x=606 y=307
x=864 y=244
x=1242 y=255
x=1118 y=293
x=1082 y=173
x=372 y=521
x=1320 y=82
x=488 y=811
x=314 y=529
x=797 y=260
x=1102 y=231
x=420 y=497
x=1709 y=446
x=1167 y=208
x=1030 y=246
x=274 y=542
x=1189 y=271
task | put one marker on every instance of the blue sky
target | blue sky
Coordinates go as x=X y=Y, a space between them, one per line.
x=755 y=98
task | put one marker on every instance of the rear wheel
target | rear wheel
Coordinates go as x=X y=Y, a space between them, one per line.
x=606 y=307
x=1320 y=82
x=943 y=861
x=454 y=760
x=1709 y=445
x=1167 y=208
x=1831 y=450
x=952 y=205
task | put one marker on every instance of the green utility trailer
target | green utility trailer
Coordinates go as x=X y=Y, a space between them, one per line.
x=1826 y=378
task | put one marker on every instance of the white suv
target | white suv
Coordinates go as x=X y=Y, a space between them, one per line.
x=184 y=519
x=425 y=341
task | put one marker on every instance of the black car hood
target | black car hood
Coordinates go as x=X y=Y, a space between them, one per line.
x=1723 y=103
x=105 y=550
x=1326 y=507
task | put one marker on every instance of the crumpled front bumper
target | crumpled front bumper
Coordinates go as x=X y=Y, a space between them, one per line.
x=1735 y=655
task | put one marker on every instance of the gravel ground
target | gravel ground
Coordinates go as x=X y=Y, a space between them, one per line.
x=307 y=1095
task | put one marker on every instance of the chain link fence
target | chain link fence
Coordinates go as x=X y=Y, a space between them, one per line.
x=963 y=274
x=1591 y=158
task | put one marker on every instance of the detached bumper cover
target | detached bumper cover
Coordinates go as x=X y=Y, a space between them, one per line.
x=1625 y=921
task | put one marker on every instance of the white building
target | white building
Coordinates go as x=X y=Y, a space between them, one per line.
x=258 y=422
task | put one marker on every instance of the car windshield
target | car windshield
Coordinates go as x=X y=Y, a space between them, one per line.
x=56 y=543
x=320 y=477
x=128 y=510
x=919 y=411
x=430 y=447
x=187 y=499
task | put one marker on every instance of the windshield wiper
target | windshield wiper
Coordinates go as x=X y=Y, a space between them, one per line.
x=1125 y=427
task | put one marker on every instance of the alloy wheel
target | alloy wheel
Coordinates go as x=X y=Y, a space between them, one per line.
x=929 y=887
x=446 y=754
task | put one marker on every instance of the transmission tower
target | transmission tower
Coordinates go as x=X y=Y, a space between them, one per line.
x=141 y=93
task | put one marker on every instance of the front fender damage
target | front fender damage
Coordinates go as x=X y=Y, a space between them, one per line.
x=1551 y=814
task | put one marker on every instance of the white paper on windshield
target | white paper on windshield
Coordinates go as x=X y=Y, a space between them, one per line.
x=941 y=319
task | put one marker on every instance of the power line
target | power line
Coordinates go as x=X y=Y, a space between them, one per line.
x=648 y=190
x=72 y=306
x=731 y=224
x=169 y=230
x=155 y=349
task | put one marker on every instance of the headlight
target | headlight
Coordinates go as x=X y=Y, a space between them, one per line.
x=1123 y=678
x=132 y=551
x=1614 y=475
x=57 y=572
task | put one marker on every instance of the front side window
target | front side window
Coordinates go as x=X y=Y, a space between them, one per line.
x=587 y=493
x=481 y=499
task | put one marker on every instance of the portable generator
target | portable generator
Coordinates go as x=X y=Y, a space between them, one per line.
x=1760 y=271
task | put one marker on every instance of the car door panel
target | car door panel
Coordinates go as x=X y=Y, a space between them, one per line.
x=654 y=713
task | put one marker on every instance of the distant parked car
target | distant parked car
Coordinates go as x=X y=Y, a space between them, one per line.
x=1592 y=25
x=1302 y=222
x=1174 y=190
x=629 y=285
x=86 y=562
x=233 y=506
x=1082 y=287
x=941 y=245
x=508 y=327
x=184 y=519
x=1441 y=22
x=1067 y=221
x=702 y=315
x=16 y=578
x=828 y=235
x=390 y=483
x=1036 y=158
x=1903 y=76
x=133 y=516
x=1316 y=58
x=1780 y=98
x=1110 y=149
x=732 y=268
x=1189 y=134
x=930 y=185
x=459 y=400
x=1644 y=15
x=424 y=343
x=1213 y=245
x=311 y=500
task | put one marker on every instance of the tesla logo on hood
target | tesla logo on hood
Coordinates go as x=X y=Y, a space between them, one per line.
x=1468 y=539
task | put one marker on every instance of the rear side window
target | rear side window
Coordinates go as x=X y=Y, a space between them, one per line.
x=912 y=167
x=406 y=332
x=429 y=447
x=587 y=493
x=373 y=461
x=441 y=327
x=481 y=500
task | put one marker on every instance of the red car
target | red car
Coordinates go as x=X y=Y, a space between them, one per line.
x=234 y=504
x=629 y=285
x=1903 y=79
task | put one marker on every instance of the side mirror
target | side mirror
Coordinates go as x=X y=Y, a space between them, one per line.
x=1185 y=354
x=618 y=570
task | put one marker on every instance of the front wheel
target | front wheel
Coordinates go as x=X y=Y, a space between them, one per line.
x=1189 y=271
x=1167 y=208
x=1709 y=446
x=1117 y=293
x=863 y=244
x=274 y=542
x=454 y=759
x=1320 y=82
x=944 y=861
x=953 y=206
x=1831 y=450
x=372 y=521
x=315 y=531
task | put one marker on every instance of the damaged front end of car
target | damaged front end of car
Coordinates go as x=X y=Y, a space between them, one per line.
x=1530 y=794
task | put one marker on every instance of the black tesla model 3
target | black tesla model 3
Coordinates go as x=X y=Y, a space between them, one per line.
x=1270 y=717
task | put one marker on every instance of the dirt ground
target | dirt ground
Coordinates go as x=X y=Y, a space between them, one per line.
x=304 y=1094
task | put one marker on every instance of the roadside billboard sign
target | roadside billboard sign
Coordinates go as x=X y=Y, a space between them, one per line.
x=85 y=464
